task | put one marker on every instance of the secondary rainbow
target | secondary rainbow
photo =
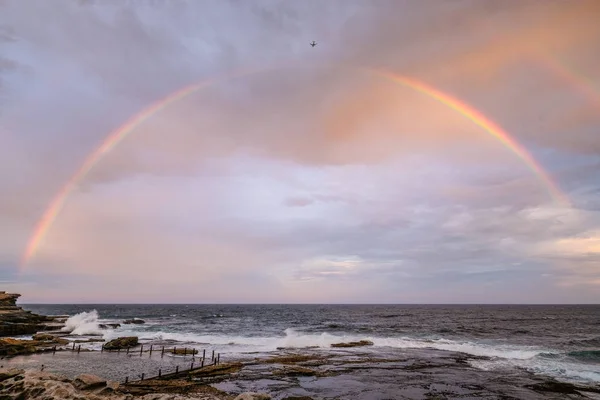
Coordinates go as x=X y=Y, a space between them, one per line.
x=574 y=79
x=114 y=138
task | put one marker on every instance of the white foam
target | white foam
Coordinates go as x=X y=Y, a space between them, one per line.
x=476 y=349
x=84 y=323
x=561 y=369
x=295 y=339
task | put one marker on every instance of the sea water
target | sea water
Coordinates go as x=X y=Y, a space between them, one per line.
x=561 y=341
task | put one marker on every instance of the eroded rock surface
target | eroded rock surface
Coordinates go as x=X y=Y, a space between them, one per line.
x=360 y=343
x=253 y=396
x=121 y=343
x=353 y=373
x=14 y=347
x=89 y=382
x=19 y=384
x=134 y=321
x=435 y=374
x=16 y=321
x=109 y=326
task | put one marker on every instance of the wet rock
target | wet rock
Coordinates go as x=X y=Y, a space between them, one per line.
x=108 y=326
x=417 y=365
x=44 y=337
x=121 y=343
x=215 y=370
x=134 y=321
x=51 y=339
x=353 y=344
x=89 y=382
x=295 y=371
x=13 y=347
x=294 y=358
x=253 y=396
x=16 y=321
x=559 y=387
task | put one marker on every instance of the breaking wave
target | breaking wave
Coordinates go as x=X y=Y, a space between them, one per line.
x=84 y=323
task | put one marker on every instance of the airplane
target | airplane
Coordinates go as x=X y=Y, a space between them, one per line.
x=313 y=44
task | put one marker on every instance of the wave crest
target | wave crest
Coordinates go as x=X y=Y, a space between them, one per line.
x=84 y=323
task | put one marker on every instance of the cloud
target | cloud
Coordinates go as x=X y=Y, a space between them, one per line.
x=298 y=202
x=305 y=180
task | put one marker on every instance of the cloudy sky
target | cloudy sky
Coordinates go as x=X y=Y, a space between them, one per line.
x=305 y=179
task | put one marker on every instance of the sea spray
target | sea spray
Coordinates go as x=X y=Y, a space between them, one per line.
x=84 y=323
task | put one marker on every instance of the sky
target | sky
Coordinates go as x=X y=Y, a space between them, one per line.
x=297 y=174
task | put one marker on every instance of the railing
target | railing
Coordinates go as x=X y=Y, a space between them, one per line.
x=215 y=359
x=177 y=372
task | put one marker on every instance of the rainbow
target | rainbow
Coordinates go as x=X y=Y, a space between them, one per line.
x=487 y=125
x=574 y=79
x=114 y=138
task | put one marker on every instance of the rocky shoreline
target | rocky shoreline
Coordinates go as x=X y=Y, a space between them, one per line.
x=16 y=384
x=16 y=321
x=299 y=375
x=41 y=368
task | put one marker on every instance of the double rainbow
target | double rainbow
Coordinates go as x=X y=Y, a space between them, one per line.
x=118 y=135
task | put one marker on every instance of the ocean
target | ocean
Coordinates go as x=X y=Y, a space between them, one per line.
x=558 y=341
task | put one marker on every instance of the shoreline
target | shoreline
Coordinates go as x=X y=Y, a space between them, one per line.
x=354 y=369
x=313 y=374
x=51 y=386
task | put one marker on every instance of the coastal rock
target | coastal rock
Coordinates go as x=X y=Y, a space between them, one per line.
x=110 y=388
x=218 y=370
x=89 y=382
x=49 y=339
x=253 y=396
x=8 y=299
x=294 y=359
x=42 y=385
x=121 y=343
x=553 y=386
x=353 y=344
x=153 y=389
x=38 y=385
x=16 y=321
x=134 y=321
x=13 y=347
x=108 y=326
x=295 y=371
x=44 y=337
x=9 y=373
